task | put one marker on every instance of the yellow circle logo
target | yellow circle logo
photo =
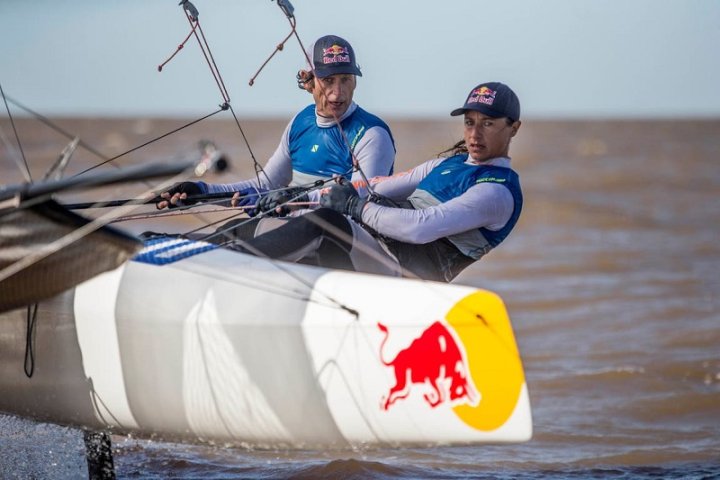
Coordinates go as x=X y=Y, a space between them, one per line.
x=482 y=325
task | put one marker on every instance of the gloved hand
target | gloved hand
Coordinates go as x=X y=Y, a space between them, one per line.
x=343 y=198
x=274 y=202
x=178 y=194
x=248 y=197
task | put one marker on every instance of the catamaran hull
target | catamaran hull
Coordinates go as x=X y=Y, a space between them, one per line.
x=234 y=349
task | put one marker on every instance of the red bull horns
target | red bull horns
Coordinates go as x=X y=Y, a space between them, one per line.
x=436 y=360
x=482 y=95
x=336 y=54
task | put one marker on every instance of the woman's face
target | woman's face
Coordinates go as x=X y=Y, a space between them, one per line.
x=488 y=137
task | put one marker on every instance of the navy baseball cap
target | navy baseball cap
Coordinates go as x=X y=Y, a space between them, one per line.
x=331 y=55
x=493 y=99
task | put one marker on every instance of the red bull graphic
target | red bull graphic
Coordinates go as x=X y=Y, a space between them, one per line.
x=336 y=54
x=466 y=361
x=436 y=360
x=482 y=95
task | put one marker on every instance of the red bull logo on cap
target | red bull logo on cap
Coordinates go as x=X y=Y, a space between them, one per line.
x=336 y=54
x=435 y=360
x=467 y=361
x=482 y=95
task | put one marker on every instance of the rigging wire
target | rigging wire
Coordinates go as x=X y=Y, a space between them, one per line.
x=78 y=233
x=49 y=123
x=193 y=17
x=256 y=165
x=149 y=142
x=26 y=172
x=191 y=14
x=287 y=9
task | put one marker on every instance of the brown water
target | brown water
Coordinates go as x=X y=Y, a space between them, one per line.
x=611 y=278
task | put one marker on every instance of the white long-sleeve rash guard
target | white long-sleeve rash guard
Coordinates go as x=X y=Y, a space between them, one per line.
x=375 y=154
x=486 y=204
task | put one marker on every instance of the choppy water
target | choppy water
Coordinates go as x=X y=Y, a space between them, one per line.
x=611 y=280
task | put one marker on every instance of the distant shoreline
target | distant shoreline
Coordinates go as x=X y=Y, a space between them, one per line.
x=21 y=116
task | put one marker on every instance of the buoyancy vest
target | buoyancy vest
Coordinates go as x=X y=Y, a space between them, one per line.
x=452 y=178
x=322 y=152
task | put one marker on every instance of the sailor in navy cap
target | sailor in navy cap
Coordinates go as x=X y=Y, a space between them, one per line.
x=332 y=137
x=429 y=222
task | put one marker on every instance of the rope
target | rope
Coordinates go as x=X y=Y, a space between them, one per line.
x=192 y=16
x=180 y=47
x=278 y=48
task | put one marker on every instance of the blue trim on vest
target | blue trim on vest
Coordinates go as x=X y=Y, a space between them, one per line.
x=164 y=250
x=322 y=151
x=453 y=177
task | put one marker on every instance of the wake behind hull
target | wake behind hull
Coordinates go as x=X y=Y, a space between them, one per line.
x=234 y=349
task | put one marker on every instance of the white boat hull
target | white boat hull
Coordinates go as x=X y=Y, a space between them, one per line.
x=235 y=349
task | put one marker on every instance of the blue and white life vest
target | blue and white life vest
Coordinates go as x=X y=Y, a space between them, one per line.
x=452 y=178
x=322 y=152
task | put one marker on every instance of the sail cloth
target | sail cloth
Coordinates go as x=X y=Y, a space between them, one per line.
x=46 y=249
x=27 y=235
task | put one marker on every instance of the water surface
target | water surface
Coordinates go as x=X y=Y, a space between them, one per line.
x=611 y=280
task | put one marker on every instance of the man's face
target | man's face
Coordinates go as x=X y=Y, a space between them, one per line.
x=333 y=95
x=487 y=137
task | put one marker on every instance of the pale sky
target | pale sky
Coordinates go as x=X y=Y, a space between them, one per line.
x=564 y=58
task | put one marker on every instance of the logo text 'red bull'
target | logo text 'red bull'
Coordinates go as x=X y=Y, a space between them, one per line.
x=482 y=95
x=436 y=360
x=336 y=54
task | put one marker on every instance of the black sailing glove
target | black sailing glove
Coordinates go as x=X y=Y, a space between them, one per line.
x=274 y=202
x=192 y=189
x=343 y=198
